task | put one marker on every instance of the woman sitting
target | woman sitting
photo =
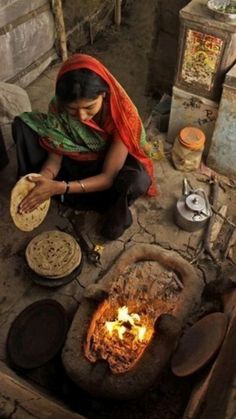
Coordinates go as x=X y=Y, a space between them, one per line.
x=89 y=148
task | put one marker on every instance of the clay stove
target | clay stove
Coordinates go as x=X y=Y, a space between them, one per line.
x=126 y=329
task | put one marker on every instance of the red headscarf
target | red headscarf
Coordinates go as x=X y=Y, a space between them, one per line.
x=123 y=112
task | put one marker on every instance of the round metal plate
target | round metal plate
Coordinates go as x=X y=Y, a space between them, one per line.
x=53 y=282
x=37 y=334
x=199 y=344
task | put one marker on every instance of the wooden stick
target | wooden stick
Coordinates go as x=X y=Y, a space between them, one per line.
x=206 y=240
x=60 y=28
x=118 y=12
x=91 y=32
x=223 y=218
x=231 y=241
x=206 y=247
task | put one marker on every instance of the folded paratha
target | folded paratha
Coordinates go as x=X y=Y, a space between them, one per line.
x=33 y=219
x=53 y=254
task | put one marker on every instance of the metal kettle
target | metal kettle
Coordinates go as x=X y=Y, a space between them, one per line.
x=192 y=209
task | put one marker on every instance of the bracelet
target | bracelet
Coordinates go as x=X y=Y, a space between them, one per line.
x=67 y=187
x=66 y=191
x=82 y=186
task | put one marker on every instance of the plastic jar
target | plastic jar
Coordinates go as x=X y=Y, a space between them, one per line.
x=188 y=148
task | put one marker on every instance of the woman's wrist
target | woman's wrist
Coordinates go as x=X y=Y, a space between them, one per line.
x=66 y=191
x=72 y=187
x=62 y=187
x=48 y=172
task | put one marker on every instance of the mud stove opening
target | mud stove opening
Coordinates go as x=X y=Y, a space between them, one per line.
x=119 y=334
x=127 y=326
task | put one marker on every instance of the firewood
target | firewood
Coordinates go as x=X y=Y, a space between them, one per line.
x=231 y=242
x=205 y=245
x=217 y=225
x=60 y=28
x=118 y=4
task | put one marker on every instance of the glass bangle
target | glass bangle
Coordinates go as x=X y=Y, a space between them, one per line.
x=66 y=191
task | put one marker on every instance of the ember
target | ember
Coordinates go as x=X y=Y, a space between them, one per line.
x=118 y=337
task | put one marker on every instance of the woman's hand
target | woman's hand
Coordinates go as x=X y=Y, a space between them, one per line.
x=43 y=190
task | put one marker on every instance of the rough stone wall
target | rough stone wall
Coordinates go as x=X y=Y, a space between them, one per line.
x=79 y=9
x=165 y=45
x=84 y=19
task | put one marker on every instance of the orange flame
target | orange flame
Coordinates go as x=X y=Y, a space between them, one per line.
x=127 y=323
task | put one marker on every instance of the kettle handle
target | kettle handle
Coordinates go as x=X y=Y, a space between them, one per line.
x=186 y=187
x=208 y=207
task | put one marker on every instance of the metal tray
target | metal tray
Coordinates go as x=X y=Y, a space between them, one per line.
x=199 y=344
x=220 y=15
x=37 y=334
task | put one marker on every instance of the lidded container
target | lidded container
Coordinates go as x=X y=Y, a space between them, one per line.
x=188 y=148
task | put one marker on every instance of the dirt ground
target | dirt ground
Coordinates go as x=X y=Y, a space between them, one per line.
x=126 y=52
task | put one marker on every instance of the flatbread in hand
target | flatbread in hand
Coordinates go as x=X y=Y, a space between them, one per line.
x=53 y=254
x=27 y=221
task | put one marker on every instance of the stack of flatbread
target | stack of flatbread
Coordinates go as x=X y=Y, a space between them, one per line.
x=53 y=254
x=31 y=220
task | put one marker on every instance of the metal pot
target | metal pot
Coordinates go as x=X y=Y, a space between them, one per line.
x=214 y=8
x=192 y=209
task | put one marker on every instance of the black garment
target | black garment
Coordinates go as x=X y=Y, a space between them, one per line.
x=4 y=160
x=131 y=181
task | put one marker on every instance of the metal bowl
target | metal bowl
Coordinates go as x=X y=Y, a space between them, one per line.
x=224 y=16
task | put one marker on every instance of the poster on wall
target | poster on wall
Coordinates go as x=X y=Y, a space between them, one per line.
x=201 y=58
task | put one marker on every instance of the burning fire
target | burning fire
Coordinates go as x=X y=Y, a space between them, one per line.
x=127 y=323
x=117 y=336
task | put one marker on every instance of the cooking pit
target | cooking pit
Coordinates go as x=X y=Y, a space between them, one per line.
x=128 y=324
